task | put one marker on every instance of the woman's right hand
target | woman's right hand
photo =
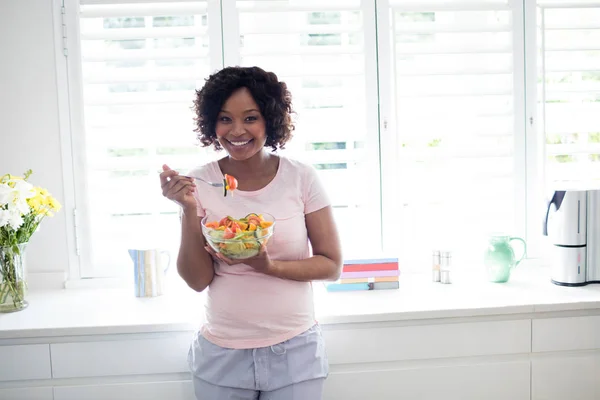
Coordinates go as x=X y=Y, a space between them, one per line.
x=179 y=189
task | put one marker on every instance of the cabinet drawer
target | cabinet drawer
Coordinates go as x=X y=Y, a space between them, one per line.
x=564 y=334
x=181 y=390
x=345 y=346
x=33 y=393
x=121 y=357
x=573 y=377
x=500 y=381
x=31 y=361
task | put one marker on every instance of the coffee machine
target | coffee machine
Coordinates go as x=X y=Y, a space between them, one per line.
x=572 y=225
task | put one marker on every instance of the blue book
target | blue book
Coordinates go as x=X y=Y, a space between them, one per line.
x=343 y=287
x=349 y=287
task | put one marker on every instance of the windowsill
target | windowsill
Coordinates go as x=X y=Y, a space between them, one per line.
x=117 y=311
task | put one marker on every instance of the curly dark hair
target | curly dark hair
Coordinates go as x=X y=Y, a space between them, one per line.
x=272 y=96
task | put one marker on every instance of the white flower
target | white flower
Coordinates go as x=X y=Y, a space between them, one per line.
x=15 y=220
x=11 y=218
x=5 y=194
x=25 y=191
x=16 y=197
x=4 y=217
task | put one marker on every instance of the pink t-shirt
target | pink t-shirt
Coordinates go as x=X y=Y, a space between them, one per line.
x=245 y=308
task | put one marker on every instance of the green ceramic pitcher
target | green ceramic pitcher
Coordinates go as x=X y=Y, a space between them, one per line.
x=500 y=258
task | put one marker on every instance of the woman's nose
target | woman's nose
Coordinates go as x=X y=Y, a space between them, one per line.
x=238 y=129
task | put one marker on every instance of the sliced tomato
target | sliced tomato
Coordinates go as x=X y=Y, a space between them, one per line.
x=212 y=224
x=224 y=222
x=232 y=183
x=229 y=234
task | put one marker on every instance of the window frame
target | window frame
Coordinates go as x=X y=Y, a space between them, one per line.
x=529 y=140
x=524 y=196
x=73 y=137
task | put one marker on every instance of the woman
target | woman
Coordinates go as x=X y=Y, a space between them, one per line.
x=260 y=339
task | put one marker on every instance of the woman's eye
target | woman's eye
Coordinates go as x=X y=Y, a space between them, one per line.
x=251 y=118
x=224 y=119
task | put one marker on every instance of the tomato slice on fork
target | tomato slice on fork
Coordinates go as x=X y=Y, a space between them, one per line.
x=230 y=182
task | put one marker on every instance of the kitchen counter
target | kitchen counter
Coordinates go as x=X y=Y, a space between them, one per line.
x=116 y=311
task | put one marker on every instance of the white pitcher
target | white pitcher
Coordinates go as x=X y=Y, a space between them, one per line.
x=149 y=267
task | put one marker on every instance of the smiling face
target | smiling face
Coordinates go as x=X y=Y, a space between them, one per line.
x=241 y=128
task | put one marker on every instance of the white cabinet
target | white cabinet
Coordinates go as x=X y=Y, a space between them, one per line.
x=499 y=381
x=495 y=358
x=161 y=355
x=572 y=377
x=570 y=367
x=33 y=393
x=31 y=361
x=179 y=390
x=434 y=341
x=564 y=334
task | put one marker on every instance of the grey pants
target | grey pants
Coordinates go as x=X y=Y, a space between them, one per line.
x=307 y=390
x=292 y=370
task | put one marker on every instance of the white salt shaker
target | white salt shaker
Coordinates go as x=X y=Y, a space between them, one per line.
x=436 y=261
x=446 y=262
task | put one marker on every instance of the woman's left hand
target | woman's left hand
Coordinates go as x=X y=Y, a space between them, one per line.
x=260 y=262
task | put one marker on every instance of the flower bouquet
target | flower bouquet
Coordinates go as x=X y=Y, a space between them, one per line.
x=22 y=209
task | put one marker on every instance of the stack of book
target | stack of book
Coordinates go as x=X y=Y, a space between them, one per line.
x=367 y=274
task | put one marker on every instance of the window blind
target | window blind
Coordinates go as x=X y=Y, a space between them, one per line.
x=454 y=105
x=140 y=64
x=569 y=44
x=320 y=49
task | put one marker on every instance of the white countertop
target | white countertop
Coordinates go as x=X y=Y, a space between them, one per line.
x=115 y=311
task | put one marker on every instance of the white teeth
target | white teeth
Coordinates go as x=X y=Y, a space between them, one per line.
x=239 y=143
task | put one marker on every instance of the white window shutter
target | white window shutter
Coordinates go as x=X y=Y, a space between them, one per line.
x=140 y=63
x=569 y=87
x=454 y=105
x=324 y=51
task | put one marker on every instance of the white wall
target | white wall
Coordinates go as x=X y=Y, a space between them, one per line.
x=29 y=123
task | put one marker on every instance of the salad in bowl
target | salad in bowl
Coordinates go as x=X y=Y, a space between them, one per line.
x=238 y=239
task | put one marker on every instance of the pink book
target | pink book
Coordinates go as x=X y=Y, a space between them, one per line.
x=369 y=267
x=369 y=274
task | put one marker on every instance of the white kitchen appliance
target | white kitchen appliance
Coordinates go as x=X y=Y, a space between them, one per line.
x=573 y=227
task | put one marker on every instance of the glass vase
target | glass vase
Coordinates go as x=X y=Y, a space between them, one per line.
x=13 y=287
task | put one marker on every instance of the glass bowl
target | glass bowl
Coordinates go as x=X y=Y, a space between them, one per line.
x=239 y=238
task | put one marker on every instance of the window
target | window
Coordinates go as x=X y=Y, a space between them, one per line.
x=570 y=90
x=413 y=113
x=318 y=49
x=140 y=64
x=454 y=97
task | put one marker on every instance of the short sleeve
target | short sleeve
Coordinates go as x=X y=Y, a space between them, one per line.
x=314 y=194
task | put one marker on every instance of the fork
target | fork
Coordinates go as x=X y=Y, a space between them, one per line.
x=215 y=184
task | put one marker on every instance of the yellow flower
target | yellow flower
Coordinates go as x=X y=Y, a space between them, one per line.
x=54 y=204
x=38 y=201
x=35 y=203
x=42 y=203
